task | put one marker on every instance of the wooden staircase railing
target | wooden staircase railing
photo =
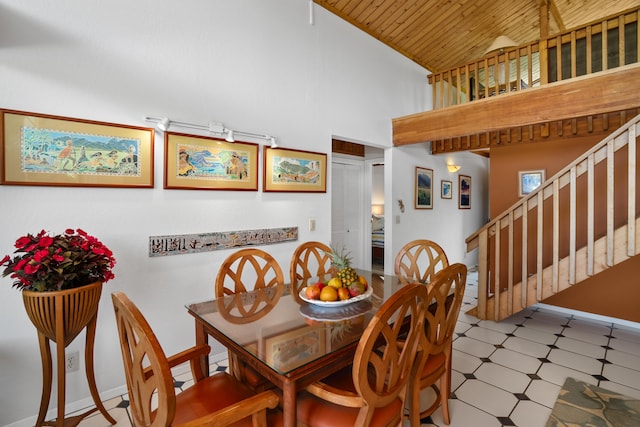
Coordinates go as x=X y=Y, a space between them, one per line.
x=608 y=43
x=579 y=222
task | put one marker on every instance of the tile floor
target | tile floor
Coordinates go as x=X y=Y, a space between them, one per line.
x=509 y=373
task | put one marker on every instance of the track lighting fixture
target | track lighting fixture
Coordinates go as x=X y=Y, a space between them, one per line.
x=164 y=123
x=214 y=128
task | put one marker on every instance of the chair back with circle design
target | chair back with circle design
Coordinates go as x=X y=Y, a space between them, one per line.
x=248 y=269
x=145 y=365
x=310 y=262
x=381 y=367
x=441 y=321
x=419 y=260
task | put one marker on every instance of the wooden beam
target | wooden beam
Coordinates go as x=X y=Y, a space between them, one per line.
x=611 y=90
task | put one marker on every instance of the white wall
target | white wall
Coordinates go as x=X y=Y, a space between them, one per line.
x=253 y=65
x=445 y=224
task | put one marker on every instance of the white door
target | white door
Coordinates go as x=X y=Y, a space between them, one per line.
x=347 y=209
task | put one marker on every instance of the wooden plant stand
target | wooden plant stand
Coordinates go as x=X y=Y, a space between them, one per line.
x=59 y=317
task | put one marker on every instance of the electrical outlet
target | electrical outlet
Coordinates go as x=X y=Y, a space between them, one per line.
x=72 y=362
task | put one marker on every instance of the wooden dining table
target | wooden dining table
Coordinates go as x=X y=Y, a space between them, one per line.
x=290 y=342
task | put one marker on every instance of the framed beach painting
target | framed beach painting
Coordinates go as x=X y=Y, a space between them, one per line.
x=423 y=188
x=294 y=170
x=40 y=149
x=203 y=163
x=464 y=192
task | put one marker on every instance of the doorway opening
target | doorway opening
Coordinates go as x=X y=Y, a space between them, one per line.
x=357 y=200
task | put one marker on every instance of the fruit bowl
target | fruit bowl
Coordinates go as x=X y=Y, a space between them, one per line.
x=366 y=294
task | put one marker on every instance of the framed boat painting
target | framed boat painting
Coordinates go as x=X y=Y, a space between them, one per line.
x=203 y=163
x=39 y=149
x=294 y=171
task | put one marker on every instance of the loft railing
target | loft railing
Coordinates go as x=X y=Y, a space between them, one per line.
x=576 y=224
x=609 y=43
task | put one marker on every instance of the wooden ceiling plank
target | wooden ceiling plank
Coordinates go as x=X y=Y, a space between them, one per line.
x=442 y=34
x=586 y=95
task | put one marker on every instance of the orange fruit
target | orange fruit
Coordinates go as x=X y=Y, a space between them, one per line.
x=328 y=293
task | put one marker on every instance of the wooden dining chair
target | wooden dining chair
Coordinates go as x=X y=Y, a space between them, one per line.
x=419 y=260
x=439 y=325
x=310 y=262
x=242 y=271
x=248 y=269
x=372 y=391
x=218 y=400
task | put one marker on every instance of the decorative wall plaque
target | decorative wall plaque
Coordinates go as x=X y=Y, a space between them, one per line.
x=192 y=243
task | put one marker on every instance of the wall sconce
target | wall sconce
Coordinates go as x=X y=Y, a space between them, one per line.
x=401 y=204
x=377 y=210
x=453 y=168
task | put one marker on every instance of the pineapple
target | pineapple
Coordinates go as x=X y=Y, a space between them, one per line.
x=341 y=261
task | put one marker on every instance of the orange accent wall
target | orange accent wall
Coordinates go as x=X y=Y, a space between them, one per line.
x=609 y=293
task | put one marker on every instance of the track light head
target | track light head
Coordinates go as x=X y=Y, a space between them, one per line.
x=229 y=137
x=273 y=143
x=164 y=123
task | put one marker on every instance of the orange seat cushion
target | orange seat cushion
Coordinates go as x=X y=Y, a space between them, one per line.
x=209 y=395
x=317 y=412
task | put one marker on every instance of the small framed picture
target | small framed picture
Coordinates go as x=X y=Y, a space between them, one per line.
x=446 y=190
x=529 y=181
x=464 y=192
x=423 y=188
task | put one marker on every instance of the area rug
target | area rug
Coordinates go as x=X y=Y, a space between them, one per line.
x=581 y=404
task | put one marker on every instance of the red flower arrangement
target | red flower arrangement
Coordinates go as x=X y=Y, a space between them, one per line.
x=63 y=261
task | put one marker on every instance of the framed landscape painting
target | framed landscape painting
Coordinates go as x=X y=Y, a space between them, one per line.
x=294 y=170
x=39 y=149
x=203 y=163
x=423 y=188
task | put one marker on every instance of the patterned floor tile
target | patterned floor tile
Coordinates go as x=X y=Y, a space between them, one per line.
x=505 y=373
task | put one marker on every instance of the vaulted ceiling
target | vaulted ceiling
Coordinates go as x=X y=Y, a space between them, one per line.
x=441 y=34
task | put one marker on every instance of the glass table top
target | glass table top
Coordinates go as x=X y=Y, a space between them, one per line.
x=286 y=333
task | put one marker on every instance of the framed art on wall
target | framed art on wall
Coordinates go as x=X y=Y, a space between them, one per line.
x=294 y=170
x=529 y=181
x=203 y=163
x=423 y=188
x=464 y=192
x=446 y=190
x=39 y=149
